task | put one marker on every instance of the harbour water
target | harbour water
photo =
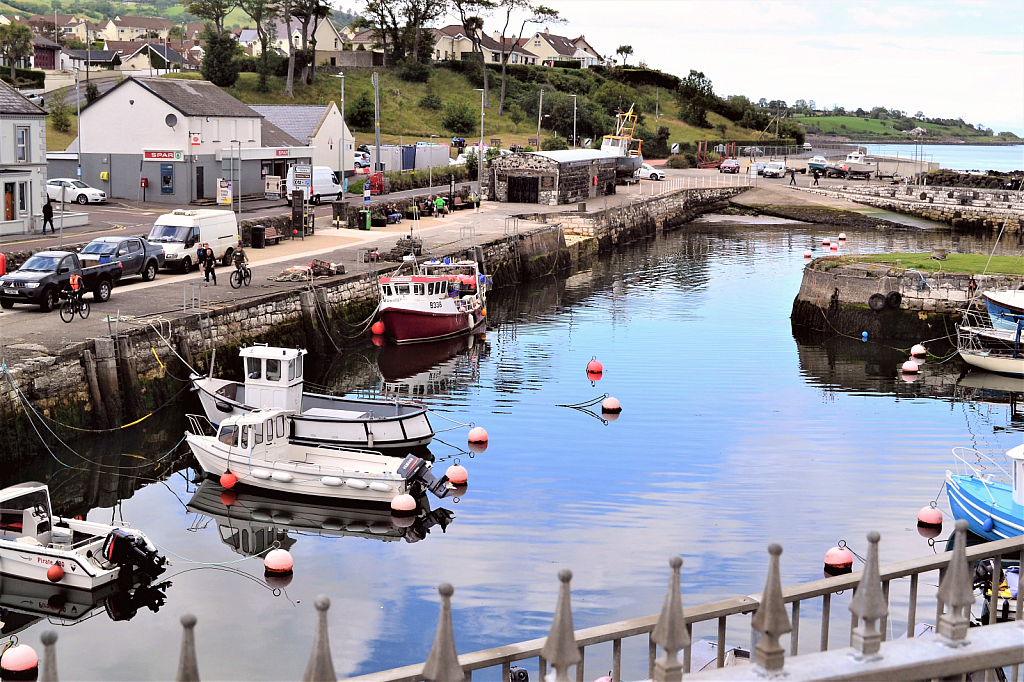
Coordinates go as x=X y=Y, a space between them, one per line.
x=970 y=158
x=736 y=431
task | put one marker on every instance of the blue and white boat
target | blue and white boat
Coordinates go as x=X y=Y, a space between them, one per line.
x=987 y=496
x=1005 y=308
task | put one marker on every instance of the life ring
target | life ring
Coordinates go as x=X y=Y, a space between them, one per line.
x=893 y=299
x=876 y=302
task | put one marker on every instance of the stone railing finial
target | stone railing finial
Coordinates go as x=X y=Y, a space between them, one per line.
x=443 y=662
x=771 y=619
x=955 y=590
x=670 y=632
x=560 y=648
x=320 y=667
x=49 y=671
x=868 y=603
x=188 y=667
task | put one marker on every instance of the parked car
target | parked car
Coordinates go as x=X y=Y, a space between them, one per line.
x=729 y=166
x=74 y=191
x=753 y=151
x=362 y=160
x=44 y=275
x=136 y=255
x=761 y=165
x=649 y=172
x=183 y=229
x=36 y=99
x=775 y=169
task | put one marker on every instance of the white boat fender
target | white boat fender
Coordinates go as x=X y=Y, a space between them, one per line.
x=282 y=477
x=55 y=573
x=357 y=528
x=19 y=662
x=332 y=524
x=261 y=515
x=380 y=487
x=261 y=474
x=356 y=484
x=332 y=481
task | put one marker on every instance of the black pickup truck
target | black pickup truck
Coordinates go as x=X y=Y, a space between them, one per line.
x=41 y=278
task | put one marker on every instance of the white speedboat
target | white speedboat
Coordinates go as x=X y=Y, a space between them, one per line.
x=256 y=449
x=89 y=555
x=988 y=348
x=432 y=300
x=858 y=162
x=1005 y=308
x=274 y=379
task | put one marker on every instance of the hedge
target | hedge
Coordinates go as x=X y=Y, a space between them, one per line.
x=566 y=64
x=27 y=78
x=632 y=76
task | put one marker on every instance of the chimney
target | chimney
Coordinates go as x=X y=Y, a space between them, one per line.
x=547 y=30
x=497 y=37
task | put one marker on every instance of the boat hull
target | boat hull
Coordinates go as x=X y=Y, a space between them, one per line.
x=32 y=561
x=994 y=362
x=404 y=325
x=1004 y=308
x=975 y=501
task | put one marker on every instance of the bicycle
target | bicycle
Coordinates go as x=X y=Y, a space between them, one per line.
x=241 y=275
x=73 y=303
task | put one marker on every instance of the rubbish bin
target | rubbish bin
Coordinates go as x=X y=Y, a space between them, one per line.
x=259 y=237
x=364 y=220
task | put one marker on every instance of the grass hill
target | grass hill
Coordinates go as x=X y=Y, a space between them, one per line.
x=895 y=130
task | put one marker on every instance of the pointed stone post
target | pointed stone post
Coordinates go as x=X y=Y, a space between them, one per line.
x=956 y=592
x=320 y=667
x=771 y=619
x=188 y=667
x=560 y=649
x=49 y=671
x=443 y=662
x=868 y=603
x=670 y=632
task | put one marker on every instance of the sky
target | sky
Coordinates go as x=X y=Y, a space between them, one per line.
x=962 y=59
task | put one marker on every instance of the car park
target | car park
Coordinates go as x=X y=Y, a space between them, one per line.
x=74 y=191
x=729 y=166
x=775 y=169
x=136 y=255
x=649 y=172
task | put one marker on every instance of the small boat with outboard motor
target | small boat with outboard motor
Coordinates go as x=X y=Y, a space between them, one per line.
x=987 y=495
x=432 y=300
x=254 y=449
x=817 y=163
x=274 y=379
x=36 y=545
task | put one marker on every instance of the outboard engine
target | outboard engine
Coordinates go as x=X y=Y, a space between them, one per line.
x=416 y=470
x=128 y=550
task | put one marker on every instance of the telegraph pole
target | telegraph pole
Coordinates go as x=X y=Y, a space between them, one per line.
x=376 y=118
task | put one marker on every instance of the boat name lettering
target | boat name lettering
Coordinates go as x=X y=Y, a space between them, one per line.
x=435 y=304
x=50 y=562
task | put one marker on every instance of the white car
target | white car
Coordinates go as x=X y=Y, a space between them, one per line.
x=775 y=169
x=362 y=160
x=75 y=191
x=649 y=172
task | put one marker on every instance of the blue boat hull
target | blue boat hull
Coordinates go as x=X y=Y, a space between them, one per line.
x=976 y=501
x=1003 y=317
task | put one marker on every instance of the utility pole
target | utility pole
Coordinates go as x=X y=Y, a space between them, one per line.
x=540 y=111
x=376 y=119
x=573 y=121
x=341 y=154
x=480 y=152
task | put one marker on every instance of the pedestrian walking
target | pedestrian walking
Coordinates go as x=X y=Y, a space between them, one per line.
x=815 y=177
x=209 y=263
x=48 y=215
x=792 y=176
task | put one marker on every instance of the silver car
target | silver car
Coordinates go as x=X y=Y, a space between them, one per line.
x=74 y=191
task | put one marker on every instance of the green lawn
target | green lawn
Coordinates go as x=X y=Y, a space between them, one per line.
x=854 y=126
x=968 y=263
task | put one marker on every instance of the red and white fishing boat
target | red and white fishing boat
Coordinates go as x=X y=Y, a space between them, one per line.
x=435 y=300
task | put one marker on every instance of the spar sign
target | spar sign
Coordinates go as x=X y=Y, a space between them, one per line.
x=163 y=155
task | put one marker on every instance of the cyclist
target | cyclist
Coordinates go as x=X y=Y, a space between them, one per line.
x=76 y=289
x=239 y=258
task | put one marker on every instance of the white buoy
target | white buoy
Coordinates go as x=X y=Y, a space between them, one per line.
x=918 y=350
x=910 y=367
x=842 y=236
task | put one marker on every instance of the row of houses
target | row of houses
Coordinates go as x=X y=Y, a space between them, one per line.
x=71 y=27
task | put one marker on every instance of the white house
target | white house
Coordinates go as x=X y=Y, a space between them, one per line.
x=315 y=126
x=22 y=162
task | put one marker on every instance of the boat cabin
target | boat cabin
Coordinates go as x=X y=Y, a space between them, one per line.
x=25 y=512
x=273 y=377
x=431 y=282
x=256 y=431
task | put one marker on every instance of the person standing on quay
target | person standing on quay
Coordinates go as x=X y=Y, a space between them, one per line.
x=815 y=176
x=792 y=176
x=209 y=264
x=48 y=216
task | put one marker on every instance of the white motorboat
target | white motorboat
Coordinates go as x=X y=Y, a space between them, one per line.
x=255 y=448
x=274 y=379
x=250 y=521
x=816 y=163
x=627 y=150
x=89 y=555
x=858 y=162
x=432 y=300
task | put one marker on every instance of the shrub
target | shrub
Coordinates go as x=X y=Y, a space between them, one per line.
x=60 y=110
x=360 y=114
x=676 y=161
x=431 y=101
x=553 y=144
x=691 y=159
x=470 y=166
x=92 y=93
x=413 y=71
x=458 y=118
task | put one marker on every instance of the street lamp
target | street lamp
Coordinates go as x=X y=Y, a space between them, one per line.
x=480 y=151
x=538 y=133
x=430 y=161
x=239 y=172
x=341 y=154
x=573 y=121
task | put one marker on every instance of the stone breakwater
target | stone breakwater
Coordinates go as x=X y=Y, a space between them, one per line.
x=834 y=297
x=109 y=381
x=961 y=209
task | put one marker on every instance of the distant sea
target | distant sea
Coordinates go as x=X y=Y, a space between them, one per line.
x=978 y=158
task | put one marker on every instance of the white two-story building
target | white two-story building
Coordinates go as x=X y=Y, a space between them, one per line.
x=22 y=162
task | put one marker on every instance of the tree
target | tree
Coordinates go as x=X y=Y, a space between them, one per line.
x=534 y=14
x=919 y=115
x=419 y=13
x=210 y=10
x=624 y=51
x=762 y=102
x=694 y=97
x=800 y=104
x=721 y=128
x=92 y=93
x=516 y=115
x=15 y=44
x=60 y=110
x=309 y=12
x=811 y=105
x=554 y=144
x=360 y=114
x=382 y=17
x=219 y=65
x=289 y=82
x=459 y=118
x=263 y=13
x=470 y=12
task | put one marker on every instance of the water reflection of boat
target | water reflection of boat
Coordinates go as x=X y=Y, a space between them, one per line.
x=25 y=602
x=986 y=495
x=250 y=522
x=407 y=372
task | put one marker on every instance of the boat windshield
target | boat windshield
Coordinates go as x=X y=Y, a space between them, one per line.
x=12 y=511
x=228 y=435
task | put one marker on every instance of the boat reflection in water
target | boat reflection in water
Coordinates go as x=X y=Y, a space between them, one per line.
x=25 y=602
x=429 y=368
x=997 y=391
x=250 y=522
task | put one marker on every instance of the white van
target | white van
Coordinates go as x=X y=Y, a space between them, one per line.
x=325 y=184
x=182 y=231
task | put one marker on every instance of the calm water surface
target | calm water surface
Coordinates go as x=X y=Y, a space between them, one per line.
x=964 y=157
x=735 y=433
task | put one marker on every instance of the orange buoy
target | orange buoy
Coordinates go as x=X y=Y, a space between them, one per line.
x=459 y=490
x=595 y=367
x=377 y=328
x=835 y=247
x=228 y=498
x=807 y=253
x=842 y=236
x=826 y=241
x=19 y=662
x=838 y=560
x=611 y=406
x=377 y=340
x=477 y=435
x=403 y=505
x=930 y=516
x=910 y=367
x=457 y=474
x=228 y=480
x=278 y=562
x=477 y=448
x=55 y=573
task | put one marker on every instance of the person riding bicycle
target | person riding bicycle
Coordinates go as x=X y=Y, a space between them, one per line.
x=239 y=258
x=76 y=284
